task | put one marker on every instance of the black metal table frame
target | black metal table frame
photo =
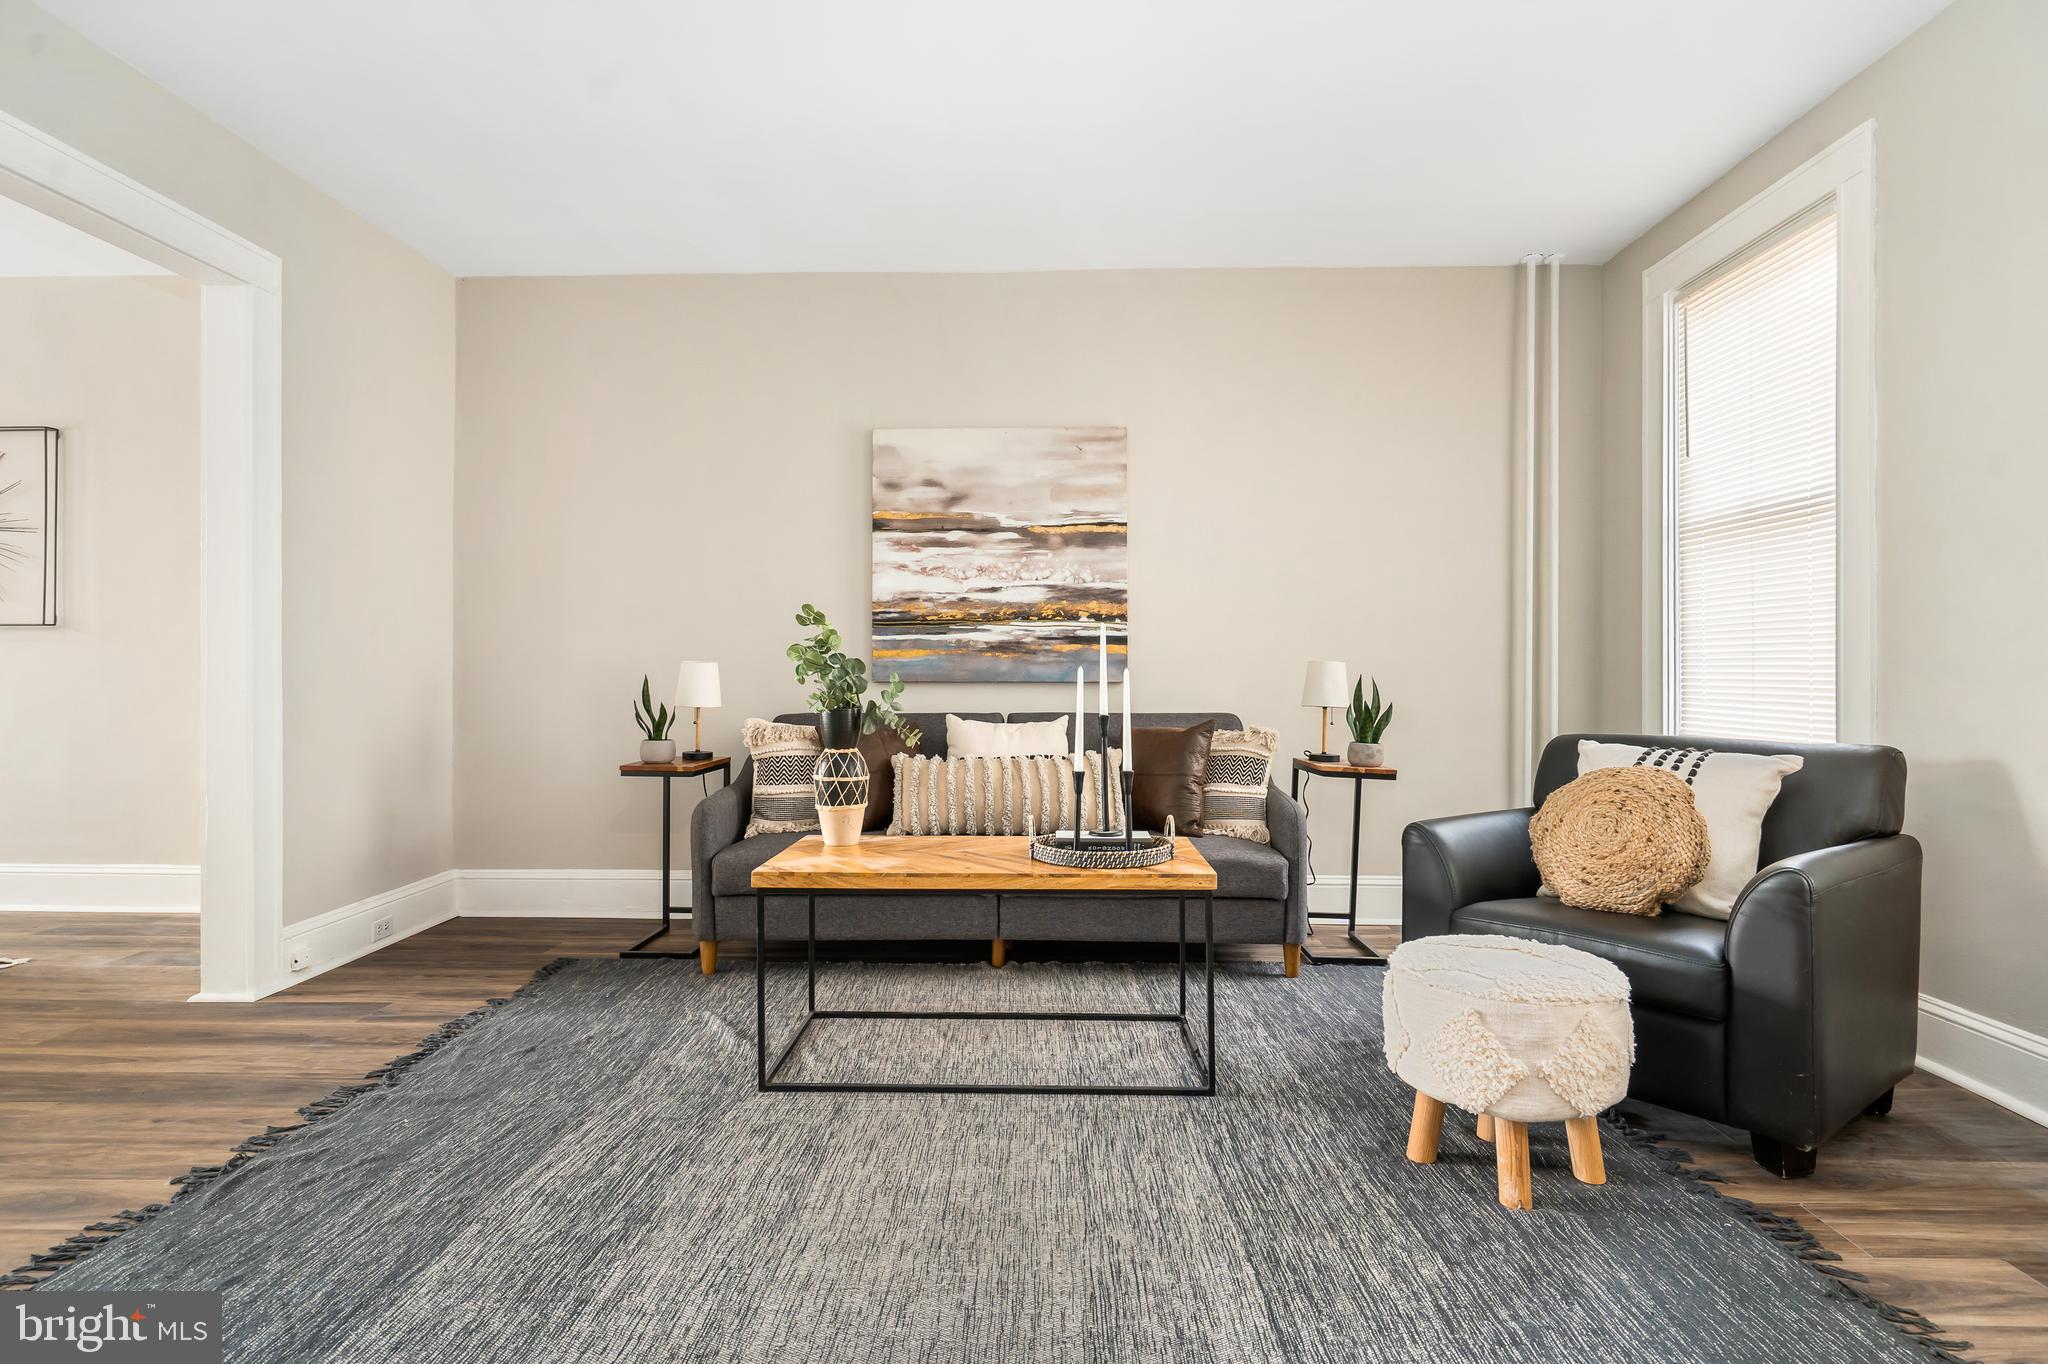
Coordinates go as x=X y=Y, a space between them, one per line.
x=765 y=1074
x=1372 y=955
x=640 y=949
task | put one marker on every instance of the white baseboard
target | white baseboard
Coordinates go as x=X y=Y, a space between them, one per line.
x=320 y=944
x=2007 y=1065
x=116 y=887
x=1379 y=898
x=566 y=893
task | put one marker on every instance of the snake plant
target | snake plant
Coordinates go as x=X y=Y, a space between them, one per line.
x=1368 y=722
x=653 y=720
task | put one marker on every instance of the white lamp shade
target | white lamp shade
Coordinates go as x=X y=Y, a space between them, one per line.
x=697 y=685
x=1326 y=684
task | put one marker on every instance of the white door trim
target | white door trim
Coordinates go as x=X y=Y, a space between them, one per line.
x=1845 y=172
x=241 y=374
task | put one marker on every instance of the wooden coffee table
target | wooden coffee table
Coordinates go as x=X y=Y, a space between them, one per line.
x=974 y=866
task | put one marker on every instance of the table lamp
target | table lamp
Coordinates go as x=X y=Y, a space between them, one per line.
x=697 y=687
x=1324 y=686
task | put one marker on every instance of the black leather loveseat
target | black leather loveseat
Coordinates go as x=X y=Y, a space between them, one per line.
x=1789 y=1019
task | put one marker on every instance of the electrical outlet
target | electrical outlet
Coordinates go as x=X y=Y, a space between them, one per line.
x=381 y=929
x=300 y=961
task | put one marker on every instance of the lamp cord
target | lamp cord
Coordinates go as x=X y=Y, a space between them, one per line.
x=1306 y=836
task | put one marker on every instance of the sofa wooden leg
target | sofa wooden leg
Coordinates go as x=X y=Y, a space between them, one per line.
x=1291 y=955
x=1583 y=1135
x=1511 y=1163
x=707 y=955
x=1879 y=1106
x=998 y=952
x=1425 y=1129
x=1782 y=1160
x=1484 y=1127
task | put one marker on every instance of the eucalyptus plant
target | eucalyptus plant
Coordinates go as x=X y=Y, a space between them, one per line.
x=838 y=682
x=1368 y=722
x=654 y=721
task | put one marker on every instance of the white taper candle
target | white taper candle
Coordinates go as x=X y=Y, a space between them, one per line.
x=1078 y=696
x=1102 y=661
x=1127 y=718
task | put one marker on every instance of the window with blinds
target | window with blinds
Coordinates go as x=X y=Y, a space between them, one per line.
x=1754 y=513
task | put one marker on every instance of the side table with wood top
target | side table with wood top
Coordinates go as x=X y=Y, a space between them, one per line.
x=1358 y=776
x=668 y=772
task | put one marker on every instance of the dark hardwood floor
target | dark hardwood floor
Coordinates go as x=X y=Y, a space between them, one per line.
x=110 y=1083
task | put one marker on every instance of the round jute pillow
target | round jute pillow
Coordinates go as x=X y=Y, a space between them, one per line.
x=1627 y=839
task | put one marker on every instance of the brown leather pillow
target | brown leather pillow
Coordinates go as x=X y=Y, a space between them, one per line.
x=880 y=750
x=1168 y=767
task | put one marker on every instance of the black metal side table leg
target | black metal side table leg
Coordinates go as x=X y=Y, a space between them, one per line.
x=639 y=949
x=1209 y=979
x=760 y=991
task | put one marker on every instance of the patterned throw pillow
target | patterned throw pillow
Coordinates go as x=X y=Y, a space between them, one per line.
x=1234 y=787
x=1734 y=792
x=997 y=796
x=784 y=758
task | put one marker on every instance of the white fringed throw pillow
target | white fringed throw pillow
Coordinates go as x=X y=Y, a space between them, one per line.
x=995 y=795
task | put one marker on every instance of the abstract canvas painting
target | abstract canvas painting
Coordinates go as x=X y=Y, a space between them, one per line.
x=28 y=525
x=998 y=554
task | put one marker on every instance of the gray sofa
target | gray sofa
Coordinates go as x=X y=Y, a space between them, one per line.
x=1261 y=889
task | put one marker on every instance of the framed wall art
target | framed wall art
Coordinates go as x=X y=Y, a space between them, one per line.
x=999 y=554
x=28 y=525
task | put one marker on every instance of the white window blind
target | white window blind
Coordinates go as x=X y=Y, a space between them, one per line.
x=1755 y=514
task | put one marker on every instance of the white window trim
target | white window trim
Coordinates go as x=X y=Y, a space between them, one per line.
x=1845 y=172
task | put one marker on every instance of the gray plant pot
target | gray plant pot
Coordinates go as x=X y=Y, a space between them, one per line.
x=1366 y=755
x=657 y=750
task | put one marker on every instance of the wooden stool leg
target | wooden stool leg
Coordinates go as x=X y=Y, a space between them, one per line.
x=1290 y=954
x=1485 y=1127
x=1584 y=1136
x=1425 y=1129
x=1511 y=1163
x=998 y=953
x=707 y=955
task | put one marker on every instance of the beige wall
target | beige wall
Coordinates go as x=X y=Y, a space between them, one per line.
x=369 y=356
x=99 y=718
x=654 y=468
x=1962 y=136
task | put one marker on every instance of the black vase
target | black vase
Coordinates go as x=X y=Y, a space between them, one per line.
x=840 y=728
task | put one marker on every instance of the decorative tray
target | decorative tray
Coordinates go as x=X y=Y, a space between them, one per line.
x=1103 y=853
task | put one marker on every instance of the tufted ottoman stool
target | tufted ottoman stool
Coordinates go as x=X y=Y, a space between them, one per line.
x=1515 y=1032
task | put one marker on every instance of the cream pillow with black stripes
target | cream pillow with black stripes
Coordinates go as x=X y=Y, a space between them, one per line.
x=1733 y=791
x=783 y=800
x=1234 y=785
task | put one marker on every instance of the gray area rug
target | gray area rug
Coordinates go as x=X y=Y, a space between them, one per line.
x=587 y=1174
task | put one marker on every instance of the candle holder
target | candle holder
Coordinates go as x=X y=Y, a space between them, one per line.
x=1080 y=785
x=1102 y=746
x=1125 y=778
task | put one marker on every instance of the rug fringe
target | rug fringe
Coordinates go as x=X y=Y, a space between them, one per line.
x=1790 y=1233
x=41 y=1269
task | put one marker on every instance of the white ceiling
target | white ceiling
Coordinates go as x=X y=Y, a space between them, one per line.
x=35 y=244
x=636 y=136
